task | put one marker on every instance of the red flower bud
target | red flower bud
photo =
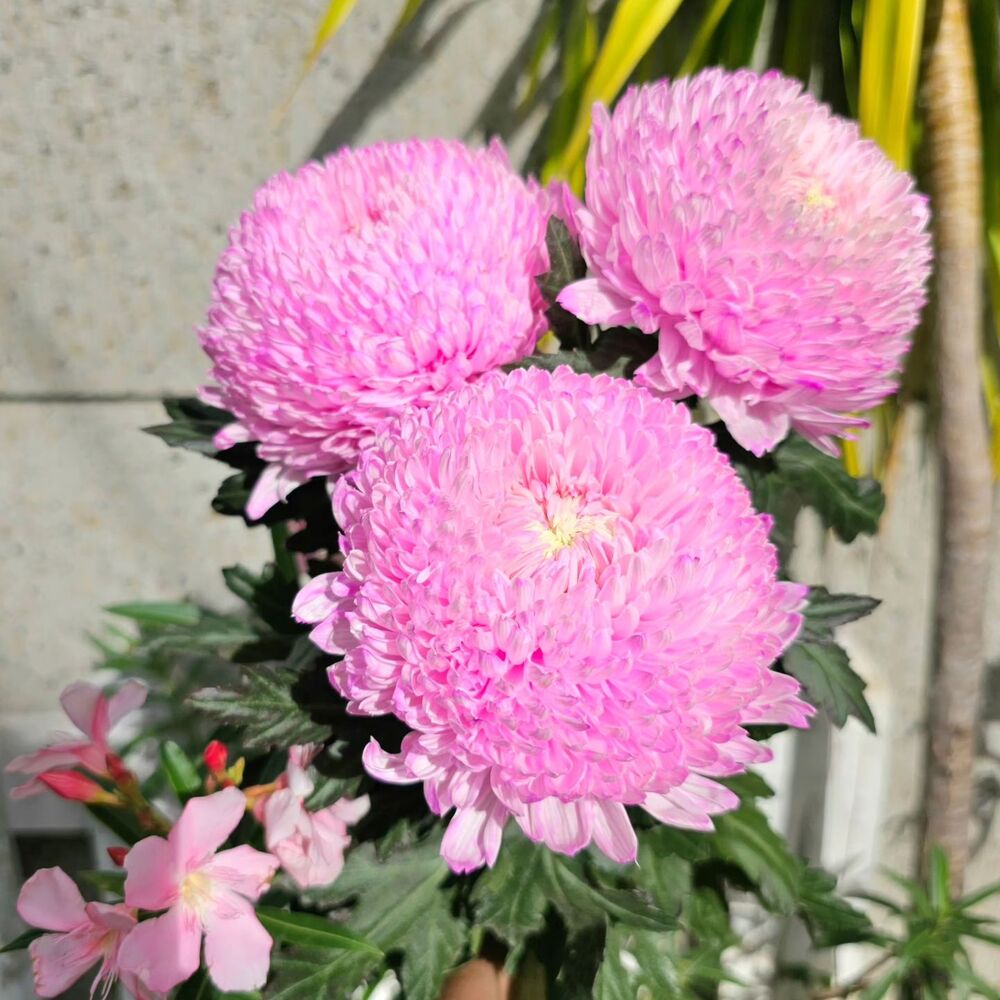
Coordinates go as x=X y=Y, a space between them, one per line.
x=117 y=855
x=215 y=756
x=77 y=788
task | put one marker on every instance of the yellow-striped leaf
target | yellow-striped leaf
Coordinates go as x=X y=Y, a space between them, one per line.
x=634 y=27
x=336 y=14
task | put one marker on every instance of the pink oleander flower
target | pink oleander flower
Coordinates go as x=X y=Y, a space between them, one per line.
x=355 y=287
x=780 y=257
x=309 y=845
x=83 y=935
x=95 y=715
x=558 y=583
x=202 y=893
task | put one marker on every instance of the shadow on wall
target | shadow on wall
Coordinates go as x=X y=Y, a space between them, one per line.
x=502 y=114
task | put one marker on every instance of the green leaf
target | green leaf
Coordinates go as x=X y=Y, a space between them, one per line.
x=745 y=838
x=234 y=492
x=121 y=823
x=831 y=919
x=197 y=987
x=274 y=705
x=180 y=770
x=441 y=942
x=311 y=931
x=111 y=882
x=269 y=594
x=158 y=613
x=310 y=974
x=827 y=611
x=580 y=902
x=824 y=670
x=847 y=505
x=566 y=263
x=642 y=973
x=509 y=898
x=21 y=941
x=192 y=425
x=391 y=894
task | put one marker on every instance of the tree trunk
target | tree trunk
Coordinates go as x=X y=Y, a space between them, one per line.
x=954 y=158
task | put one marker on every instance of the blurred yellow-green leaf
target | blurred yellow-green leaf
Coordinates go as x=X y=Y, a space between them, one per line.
x=635 y=26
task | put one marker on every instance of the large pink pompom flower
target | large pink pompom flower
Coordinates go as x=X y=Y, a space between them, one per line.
x=375 y=280
x=781 y=259
x=558 y=583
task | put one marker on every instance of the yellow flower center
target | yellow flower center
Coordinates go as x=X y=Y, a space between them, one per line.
x=817 y=198
x=564 y=524
x=196 y=890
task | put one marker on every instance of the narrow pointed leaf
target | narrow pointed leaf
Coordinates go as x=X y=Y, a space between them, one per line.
x=311 y=931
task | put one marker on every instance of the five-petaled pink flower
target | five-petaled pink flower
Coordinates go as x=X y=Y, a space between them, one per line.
x=94 y=714
x=780 y=257
x=202 y=892
x=560 y=585
x=82 y=935
x=309 y=845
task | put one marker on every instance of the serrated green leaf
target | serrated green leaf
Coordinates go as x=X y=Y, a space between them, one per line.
x=745 y=838
x=827 y=611
x=21 y=941
x=390 y=893
x=192 y=425
x=831 y=920
x=180 y=770
x=641 y=973
x=566 y=263
x=580 y=902
x=158 y=612
x=509 y=898
x=266 y=708
x=308 y=974
x=234 y=492
x=441 y=942
x=311 y=931
x=824 y=671
x=847 y=505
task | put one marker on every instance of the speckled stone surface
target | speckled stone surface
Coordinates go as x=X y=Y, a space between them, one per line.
x=134 y=134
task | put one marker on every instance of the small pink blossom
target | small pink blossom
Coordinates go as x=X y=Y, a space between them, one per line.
x=203 y=893
x=77 y=788
x=780 y=257
x=95 y=715
x=309 y=845
x=560 y=585
x=83 y=934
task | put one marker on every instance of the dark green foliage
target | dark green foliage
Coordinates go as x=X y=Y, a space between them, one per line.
x=824 y=670
x=509 y=899
x=276 y=705
x=827 y=611
x=566 y=265
x=192 y=425
x=823 y=667
x=21 y=941
x=847 y=505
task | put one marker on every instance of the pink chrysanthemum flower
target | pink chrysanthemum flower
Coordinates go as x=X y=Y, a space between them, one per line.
x=558 y=583
x=781 y=258
x=355 y=287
